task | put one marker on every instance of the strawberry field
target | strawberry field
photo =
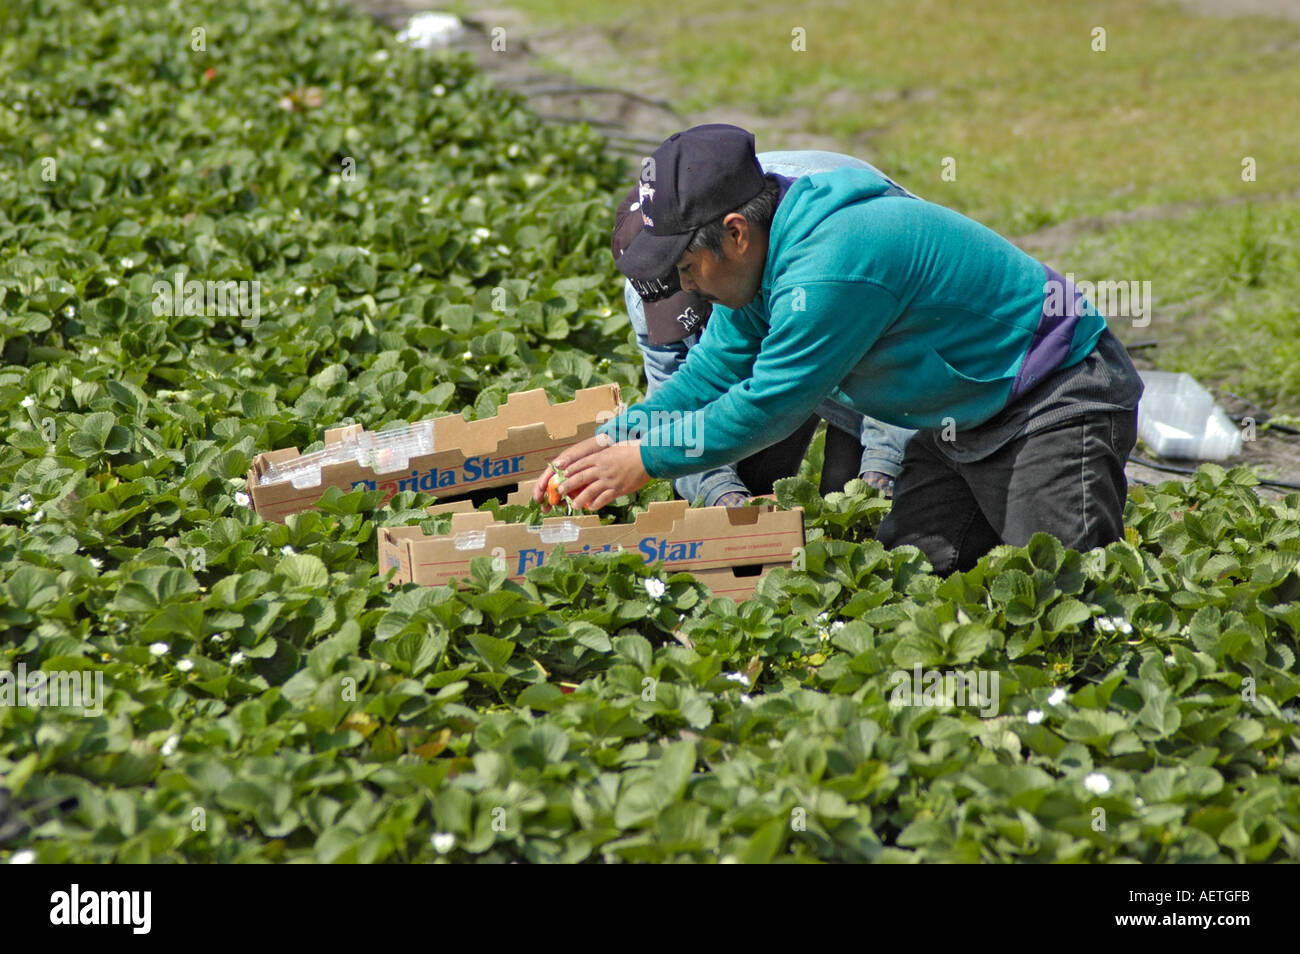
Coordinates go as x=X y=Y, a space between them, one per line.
x=425 y=245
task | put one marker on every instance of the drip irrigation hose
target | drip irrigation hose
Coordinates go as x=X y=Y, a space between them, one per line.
x=1174 y=469
x=1264 y=415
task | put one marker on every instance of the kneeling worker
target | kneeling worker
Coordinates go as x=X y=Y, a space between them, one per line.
x=828 y=287
x=669 y=321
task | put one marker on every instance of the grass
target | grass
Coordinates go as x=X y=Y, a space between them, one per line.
x=1225 y=282
x=267 y=697
x=1043 y=129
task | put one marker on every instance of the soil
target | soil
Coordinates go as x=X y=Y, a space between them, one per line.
x=634 y=111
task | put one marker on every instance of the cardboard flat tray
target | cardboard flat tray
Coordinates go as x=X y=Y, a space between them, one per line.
x=730 y=549
x=527 y=432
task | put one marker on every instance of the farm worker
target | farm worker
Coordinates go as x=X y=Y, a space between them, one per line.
x=669 y=321
x=827 y=286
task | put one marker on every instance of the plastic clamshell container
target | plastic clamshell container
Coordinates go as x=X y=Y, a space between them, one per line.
x=1178 y=418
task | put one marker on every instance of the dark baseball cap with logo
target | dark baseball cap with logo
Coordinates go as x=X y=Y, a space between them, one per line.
x=670 y=312
x=695 y=177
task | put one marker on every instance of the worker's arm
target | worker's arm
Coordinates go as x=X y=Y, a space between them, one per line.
x=819 y=331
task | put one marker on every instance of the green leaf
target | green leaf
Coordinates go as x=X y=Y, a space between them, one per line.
x=1065 y=614
x=635 y=648
x=590 y=635
x=493 y=651
x=304 y=570
x=92 y=437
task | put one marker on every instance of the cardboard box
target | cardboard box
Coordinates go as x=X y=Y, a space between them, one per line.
x=728 y=549
x=515 y=445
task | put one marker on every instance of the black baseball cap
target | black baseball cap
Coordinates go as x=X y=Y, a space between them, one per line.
x=671 y=313
x=695 y=177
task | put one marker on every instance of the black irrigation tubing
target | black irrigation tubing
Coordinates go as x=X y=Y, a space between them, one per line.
x=1265 y=415
x=567 y=88
x=1173 y=469
x=597 y=124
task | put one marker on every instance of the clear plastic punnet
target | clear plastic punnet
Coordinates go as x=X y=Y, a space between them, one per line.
x=1178 y=418
x=382 y=451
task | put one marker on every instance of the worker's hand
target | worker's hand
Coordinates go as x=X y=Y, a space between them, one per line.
x=596 y=471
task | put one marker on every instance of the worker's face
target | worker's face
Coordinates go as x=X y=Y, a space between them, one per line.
x=734 y=279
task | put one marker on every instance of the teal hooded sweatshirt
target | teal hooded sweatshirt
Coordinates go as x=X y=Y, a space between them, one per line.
x=902 y=309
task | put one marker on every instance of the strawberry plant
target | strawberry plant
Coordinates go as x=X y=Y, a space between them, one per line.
x=267 y=696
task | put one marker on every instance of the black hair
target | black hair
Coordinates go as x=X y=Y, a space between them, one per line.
x=758 y=212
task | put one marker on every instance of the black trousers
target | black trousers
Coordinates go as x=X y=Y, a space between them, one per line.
x=843 y=456
x=1067 y=480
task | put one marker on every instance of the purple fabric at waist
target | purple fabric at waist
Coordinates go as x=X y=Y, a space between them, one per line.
x=785 y=183
x=1054 y=334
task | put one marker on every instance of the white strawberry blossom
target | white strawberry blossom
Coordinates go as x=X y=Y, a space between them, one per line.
x=1097 y=783
x=1034 y=716
x=655 y=588
x=1114 y=624
x=443 y=842
x=826 y=629
x=185 y=665
x=241 y=498
x=24 y=857
x=169 y=747
x=236 y=659
x=739 y=677
x=1057 y=697
x=25 y=502
x=29 y=401
x=159 y=649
